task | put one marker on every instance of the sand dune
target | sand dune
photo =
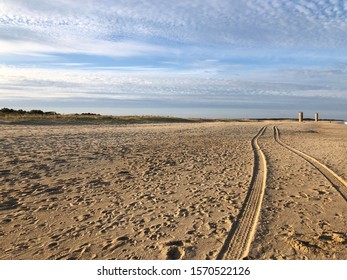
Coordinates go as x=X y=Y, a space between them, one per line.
x=169 y=191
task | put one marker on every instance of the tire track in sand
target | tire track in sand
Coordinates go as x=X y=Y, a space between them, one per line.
x=238 y=241
x=338 y=183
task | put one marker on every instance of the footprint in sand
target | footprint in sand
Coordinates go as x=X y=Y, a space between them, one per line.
x=174 y=250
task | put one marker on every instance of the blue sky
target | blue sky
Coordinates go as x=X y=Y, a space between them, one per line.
x=225 y=58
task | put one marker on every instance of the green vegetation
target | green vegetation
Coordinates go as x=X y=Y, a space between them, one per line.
x=20 y=112
x=39 y=117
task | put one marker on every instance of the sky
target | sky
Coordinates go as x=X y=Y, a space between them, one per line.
x=197 y=58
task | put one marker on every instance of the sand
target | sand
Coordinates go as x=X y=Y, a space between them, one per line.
x=303 y=215
x=171 y=191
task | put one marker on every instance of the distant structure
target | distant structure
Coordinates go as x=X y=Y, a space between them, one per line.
x=301 y=116
x=316 y=117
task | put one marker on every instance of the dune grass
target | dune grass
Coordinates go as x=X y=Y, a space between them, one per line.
x=38 y=117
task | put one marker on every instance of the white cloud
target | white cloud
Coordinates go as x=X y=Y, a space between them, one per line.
x=82 y=46
x=127 y=27
x=134 y=93
x=53 y=83
x=65 y=27
x=254 y=44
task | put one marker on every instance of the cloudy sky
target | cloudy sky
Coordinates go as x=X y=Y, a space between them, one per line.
x=197 y=58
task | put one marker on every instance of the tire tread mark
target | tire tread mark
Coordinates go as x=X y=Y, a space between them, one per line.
x=338 y=183
x=240 y=237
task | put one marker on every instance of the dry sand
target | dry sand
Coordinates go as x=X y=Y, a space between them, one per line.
x=170 y=191
x=303 y=215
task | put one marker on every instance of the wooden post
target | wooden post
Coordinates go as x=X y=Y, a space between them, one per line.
x=301 y=116
x=316 y=117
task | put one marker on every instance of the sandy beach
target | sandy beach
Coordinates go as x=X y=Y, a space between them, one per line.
x=174 y=191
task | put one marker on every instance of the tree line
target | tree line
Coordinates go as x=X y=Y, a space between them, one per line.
x=8 y=111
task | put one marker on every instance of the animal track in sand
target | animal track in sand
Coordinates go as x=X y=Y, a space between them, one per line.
x=238 y=241
x=339 y=184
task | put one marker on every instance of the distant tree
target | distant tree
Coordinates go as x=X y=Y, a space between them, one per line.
x=7 y=110
x=51 y=113
x=36 y=112
x=90 y=114
x=23 y=112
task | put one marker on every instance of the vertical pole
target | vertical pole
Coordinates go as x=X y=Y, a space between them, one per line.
x=316 y=117
x=301 y=116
